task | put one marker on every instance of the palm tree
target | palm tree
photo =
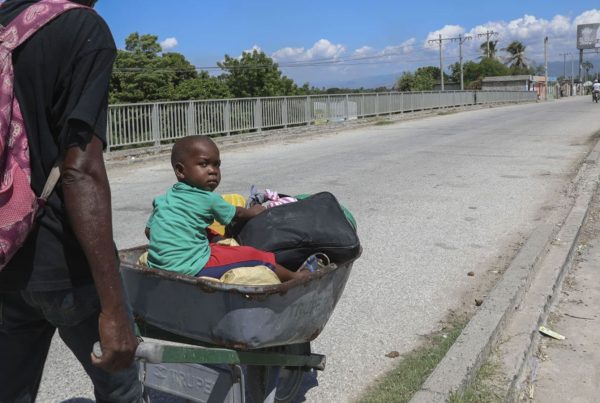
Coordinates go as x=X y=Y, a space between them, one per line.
x=489 y=49
x=587 y=66
x=516 y=58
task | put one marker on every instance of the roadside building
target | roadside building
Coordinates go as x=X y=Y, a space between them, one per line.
x=521 y=83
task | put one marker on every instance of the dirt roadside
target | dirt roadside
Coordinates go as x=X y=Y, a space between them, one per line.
x=568 y=370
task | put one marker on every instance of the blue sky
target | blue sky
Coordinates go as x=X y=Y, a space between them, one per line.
x=354 y=39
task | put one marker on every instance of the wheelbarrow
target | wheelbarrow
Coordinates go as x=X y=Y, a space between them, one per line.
x=213 y=341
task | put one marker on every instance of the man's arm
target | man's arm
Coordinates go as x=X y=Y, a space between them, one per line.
x=88 y=206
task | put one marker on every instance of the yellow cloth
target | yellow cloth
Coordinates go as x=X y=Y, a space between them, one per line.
x=143 y=259
x=231 y=198
x=256 y=275
x=228 y=242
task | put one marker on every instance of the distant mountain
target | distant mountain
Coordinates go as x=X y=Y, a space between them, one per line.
x=555 y=69
x=384 y=80
x=558 y=69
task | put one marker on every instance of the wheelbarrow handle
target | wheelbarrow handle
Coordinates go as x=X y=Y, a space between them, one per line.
x=149 y=352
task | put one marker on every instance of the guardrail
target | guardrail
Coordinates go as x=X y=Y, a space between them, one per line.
x=151 y=124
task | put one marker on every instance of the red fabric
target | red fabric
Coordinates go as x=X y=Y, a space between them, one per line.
x=238 y=256
x=224 y=258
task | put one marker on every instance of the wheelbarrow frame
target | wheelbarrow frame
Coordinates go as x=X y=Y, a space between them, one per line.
x=228 y=335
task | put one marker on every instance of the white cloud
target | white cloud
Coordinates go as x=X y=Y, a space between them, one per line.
x=404 y=48
x=448 y=31
x=322 y=49
x=169 y=44
x=365 y=51
x=531 y=31
x=368 y=60
x=588 y=17
x=254 y=47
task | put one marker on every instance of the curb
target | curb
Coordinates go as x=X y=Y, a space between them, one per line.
x=461 y=363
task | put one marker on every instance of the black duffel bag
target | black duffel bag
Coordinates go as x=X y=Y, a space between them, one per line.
x=296 y=230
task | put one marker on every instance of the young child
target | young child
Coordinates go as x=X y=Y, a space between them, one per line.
x=177 y=228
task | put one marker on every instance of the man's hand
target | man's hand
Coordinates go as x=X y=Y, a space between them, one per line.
x=117 y=340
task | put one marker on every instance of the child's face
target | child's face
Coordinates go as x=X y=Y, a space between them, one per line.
x=202 y=166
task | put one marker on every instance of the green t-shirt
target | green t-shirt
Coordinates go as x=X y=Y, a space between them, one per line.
x=178 y=225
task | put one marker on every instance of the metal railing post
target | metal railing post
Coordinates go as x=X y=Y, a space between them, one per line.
x=284 y=112
x=307 y=114
x=258 y=115
x=346 y=109
x=155 y=124
x=328 y=109
x=227 y=118
x=402 y=103
x=362 y=106
x=377 y=104
x=190 y=119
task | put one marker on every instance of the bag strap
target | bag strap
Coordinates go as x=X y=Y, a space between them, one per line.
x=32 y=19
x=51 y=182
x=17 y=32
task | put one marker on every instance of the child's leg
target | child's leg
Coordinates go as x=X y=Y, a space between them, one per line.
x=223 y=258
x=286 y=275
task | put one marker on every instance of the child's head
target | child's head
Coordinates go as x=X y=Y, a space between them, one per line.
x=197 y=162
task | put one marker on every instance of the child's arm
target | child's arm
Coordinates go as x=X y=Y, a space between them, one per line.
x=245 y=214
x=147 y=232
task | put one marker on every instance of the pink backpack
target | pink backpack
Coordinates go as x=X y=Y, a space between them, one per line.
x=18 y=203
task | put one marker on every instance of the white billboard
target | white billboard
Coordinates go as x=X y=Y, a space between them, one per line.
x=587 y=36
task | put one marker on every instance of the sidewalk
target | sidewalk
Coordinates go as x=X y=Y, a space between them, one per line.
x=569 y=370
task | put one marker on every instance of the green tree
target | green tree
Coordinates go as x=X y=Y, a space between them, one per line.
x=255 y=74
x=143 y=73
x=516 y=55
x=493 y=48
x=140 y=74
x=423 y=79
x=587 y=66
x=474 y=72
x=203 y=86
x=146 y=44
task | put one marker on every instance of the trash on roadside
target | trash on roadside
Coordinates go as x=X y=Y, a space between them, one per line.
x=393 y=354
x=471 y=273
x=550 y=333
x=478 y=301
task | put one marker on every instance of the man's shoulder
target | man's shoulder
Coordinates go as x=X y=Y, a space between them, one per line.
x=87 y=26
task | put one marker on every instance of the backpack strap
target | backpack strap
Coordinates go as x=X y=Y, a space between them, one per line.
x=30 y=20
x=17 y=32
x=51 y=182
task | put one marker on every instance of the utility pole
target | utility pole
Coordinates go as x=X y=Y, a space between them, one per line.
x=546 y=68
x=441 y=63
x=488 y=34
x=461 y=40
x=572 y=76
x=440 y=40
x=564 y=55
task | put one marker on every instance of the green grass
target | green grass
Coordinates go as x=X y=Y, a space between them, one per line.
x=400 y=384
x=383 y=122
x=479 y=391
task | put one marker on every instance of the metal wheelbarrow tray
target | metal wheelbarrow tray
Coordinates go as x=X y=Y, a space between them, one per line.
x=234 y=316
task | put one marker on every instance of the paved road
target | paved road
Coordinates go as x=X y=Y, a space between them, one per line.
x=434 y=198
